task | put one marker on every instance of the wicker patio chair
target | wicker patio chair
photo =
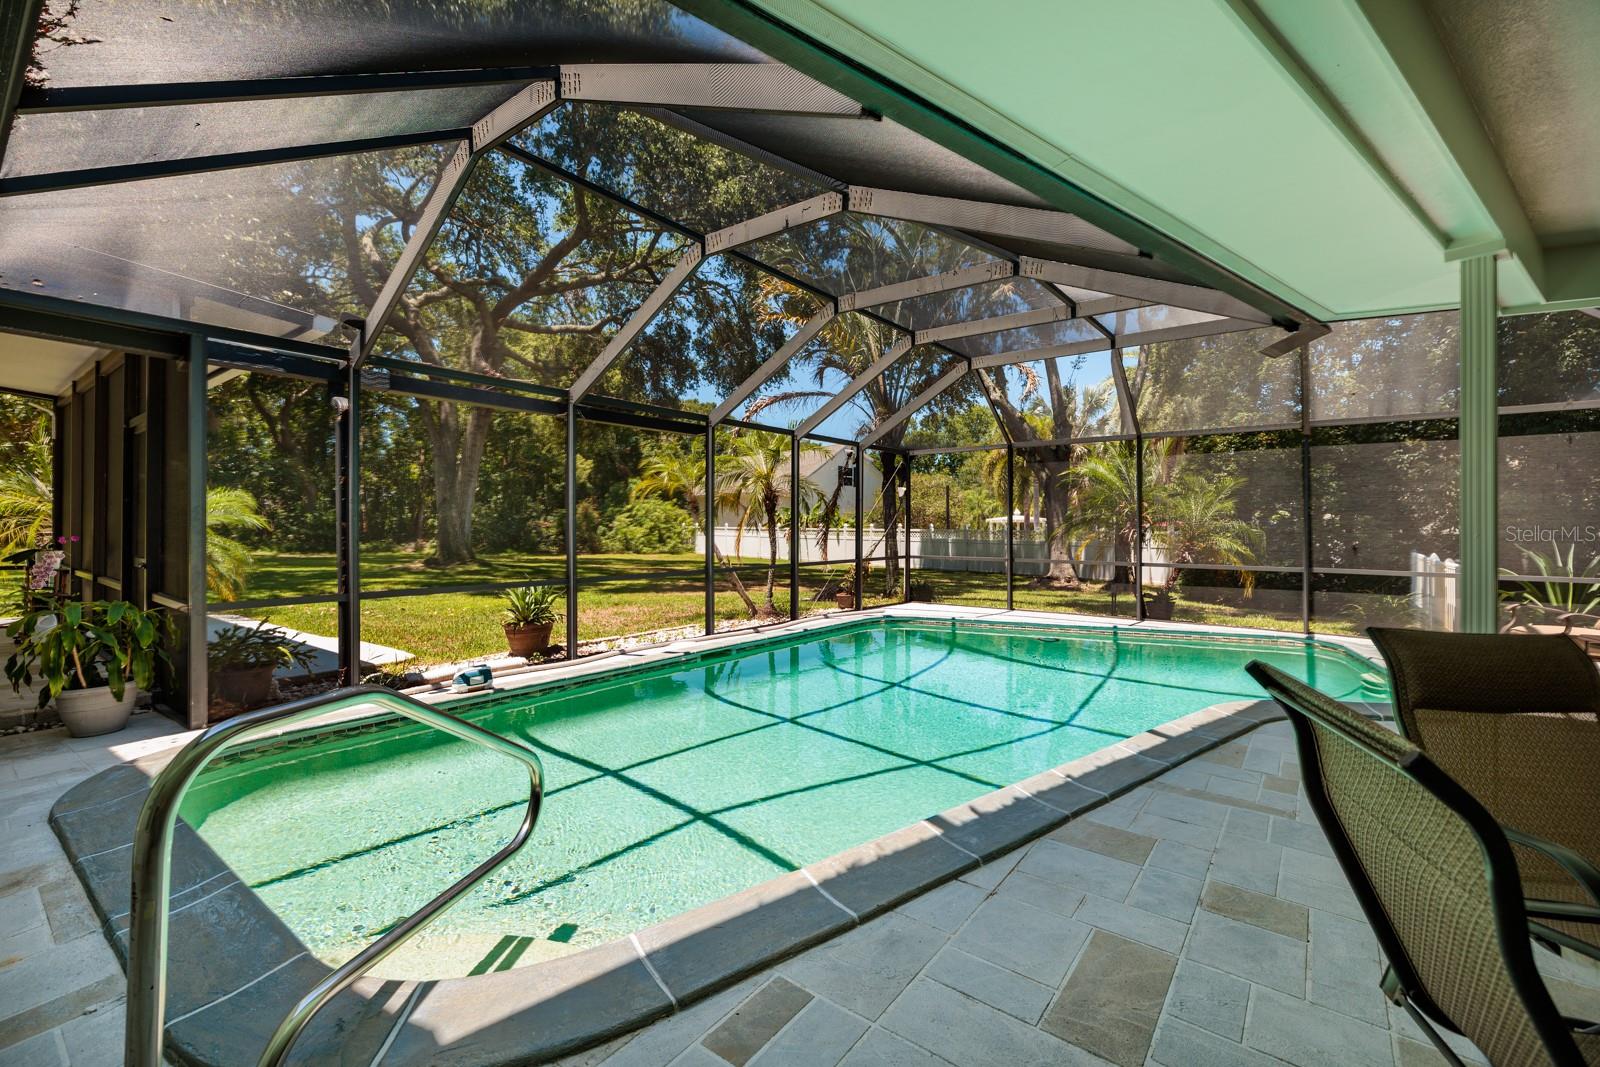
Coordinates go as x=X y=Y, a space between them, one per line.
x=1515 y=720
x=1437 y=880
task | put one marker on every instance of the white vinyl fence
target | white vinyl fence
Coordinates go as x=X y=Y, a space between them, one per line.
x=1434 y=595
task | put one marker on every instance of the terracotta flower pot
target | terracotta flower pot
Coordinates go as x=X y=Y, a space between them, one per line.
x=528 y=641
x=88 y=712
x=845 y=599
x=1158 y=606
x=249 y=687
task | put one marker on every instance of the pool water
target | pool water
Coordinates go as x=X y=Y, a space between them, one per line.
x=669 y=788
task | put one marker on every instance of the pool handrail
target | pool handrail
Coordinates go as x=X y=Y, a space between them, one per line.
x=152 y=864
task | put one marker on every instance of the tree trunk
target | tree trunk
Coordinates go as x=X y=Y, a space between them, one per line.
x=722 y=561
x=1062 y=572
x=458 y=441
x=891 y=527
x=771 y=508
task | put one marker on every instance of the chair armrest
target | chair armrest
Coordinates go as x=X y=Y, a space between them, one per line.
x=1578 y=868
x=1577 y=616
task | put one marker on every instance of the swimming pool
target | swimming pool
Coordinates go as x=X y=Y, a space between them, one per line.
x=671 y=787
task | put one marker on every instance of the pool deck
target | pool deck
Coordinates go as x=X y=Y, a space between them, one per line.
x=1195 y=919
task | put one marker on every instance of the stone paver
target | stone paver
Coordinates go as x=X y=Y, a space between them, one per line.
x=1124 y=937
x=61 y=989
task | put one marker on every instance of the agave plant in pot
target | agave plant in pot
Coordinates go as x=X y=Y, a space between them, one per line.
x=243 y=659
x=530 y=615
x=91 y=658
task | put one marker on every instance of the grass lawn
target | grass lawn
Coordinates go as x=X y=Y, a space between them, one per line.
x=451 y=626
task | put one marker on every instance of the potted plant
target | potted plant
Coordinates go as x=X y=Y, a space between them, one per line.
x=1158 y=605
x=91 y=658
x=530 y=615
x=845 y=595
x=243 y=660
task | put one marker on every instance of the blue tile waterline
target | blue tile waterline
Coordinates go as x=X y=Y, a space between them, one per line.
x=673 y=786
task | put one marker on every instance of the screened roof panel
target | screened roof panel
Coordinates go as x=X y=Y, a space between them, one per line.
x=1217 y=382
x=76 y=140
x=822 y=368
x=722 y=325
x=552 y=271
x=1391 y=367
x=865 y=151
x=122 y=42
x=1067 y=332
x=262 y=249
x=890 y=391
x=957 y=417
x=990 y=300
x=700 y=184
x=853 y=253
x=1066 y=397
x=1153 y=317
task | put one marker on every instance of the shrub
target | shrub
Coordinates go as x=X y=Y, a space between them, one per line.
x=648 y=525
x=587 y=521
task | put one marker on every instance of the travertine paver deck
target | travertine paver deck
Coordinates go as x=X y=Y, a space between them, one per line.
x=61 y=989
x=1197 y=921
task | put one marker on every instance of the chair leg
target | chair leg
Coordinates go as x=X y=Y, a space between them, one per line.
x=1433 y=1035
x=1392 y=989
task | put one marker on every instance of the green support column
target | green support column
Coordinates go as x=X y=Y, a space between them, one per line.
x=1479 y=452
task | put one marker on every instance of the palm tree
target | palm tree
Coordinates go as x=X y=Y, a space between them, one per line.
x=25 y=493
x=673 y=474
x=1195 y=521
x=227 y=560
x=754 y=481
x=1193 y=516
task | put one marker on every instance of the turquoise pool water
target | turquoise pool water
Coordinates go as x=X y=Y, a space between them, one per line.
x=672 y=787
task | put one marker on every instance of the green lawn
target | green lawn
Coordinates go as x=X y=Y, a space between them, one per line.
x=449 y=627
x=453 y=626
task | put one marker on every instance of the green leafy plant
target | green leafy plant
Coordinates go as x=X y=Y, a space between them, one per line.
x=70 y=645
x=531 y=605
x=242 y=648
x=647 y=525
x=1568 y=588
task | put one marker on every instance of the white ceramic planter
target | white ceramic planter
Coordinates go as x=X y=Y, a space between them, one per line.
x=88 y=712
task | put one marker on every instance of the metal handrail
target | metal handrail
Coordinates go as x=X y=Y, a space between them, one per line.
x=152 y=865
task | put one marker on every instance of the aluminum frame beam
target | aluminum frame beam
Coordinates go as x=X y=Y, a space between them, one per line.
x=888 y=358
x=526 y=107
x=55 y=180
x=965 y=278
x=1001 y=220
x=1296 y=340
x=773 y=222
x=58 y=100
x=760 y=87
x=1151 y=290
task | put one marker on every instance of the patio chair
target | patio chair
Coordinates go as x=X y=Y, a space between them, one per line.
x=1437 y=880
x=1582 y=629
x=1515 y=720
